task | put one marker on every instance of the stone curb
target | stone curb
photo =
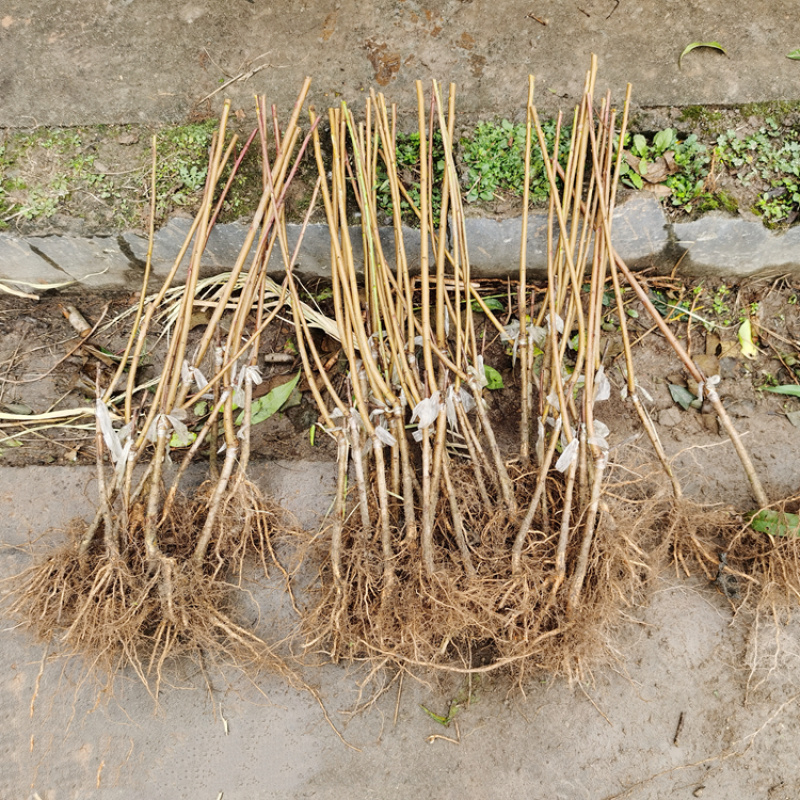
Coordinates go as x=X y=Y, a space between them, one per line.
x=715 y=245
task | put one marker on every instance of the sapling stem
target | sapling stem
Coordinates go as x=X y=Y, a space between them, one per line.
x=525 y=527
x=522 y=306
x=389 y=577
x=566 y=527
x=152 y=549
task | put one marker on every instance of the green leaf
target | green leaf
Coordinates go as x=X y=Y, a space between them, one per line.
x=664 y=139
x=270 y=403
x=794 y=55
x=695 y=45
x=775 y=523
x=436 y=717
x=745 y=334
x=639 y=144
x=681 y=395
x=791 y=389
x=177 y=441
x=492 y=303
x=200 y=408
x=636 y=180
x=493 y=378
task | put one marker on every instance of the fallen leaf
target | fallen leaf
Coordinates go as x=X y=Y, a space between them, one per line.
x=672 y=164
x=695 y=45
x=708 y=365
x=794 y=55
x=794 y=418
x=17 y=408
x=180 y=440
x=658 y=189
x=745 y=336
x=655 y=171
x=493 y=378
x=681 y=395
x=266 y=406
x=329 y=26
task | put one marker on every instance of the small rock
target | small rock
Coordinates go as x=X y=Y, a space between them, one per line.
x=698 y=791
x=100 y=167
x=128 y=138
x=669 y=417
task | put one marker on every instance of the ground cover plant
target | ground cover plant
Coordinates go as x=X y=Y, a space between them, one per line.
x=101 y=174
x=769 y=156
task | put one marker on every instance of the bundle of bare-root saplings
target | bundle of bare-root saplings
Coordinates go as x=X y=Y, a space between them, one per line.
x=452 y=544
x=153 y=576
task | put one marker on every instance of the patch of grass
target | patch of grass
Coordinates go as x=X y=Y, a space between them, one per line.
x=718 y=201
x=182 y=164
x=41 y=170
x=777 y=109
x=702 y=118
x=407 y=155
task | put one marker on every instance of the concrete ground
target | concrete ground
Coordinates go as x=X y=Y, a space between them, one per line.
x=68 y=63
x=689 y=710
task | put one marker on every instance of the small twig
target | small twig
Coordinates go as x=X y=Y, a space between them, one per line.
x=597 y=708
x=678 y=729
x=242 y=76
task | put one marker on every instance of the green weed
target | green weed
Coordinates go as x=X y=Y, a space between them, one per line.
x=690 y=157
x=771 y=154
x=494 y=158
x=407 y=156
